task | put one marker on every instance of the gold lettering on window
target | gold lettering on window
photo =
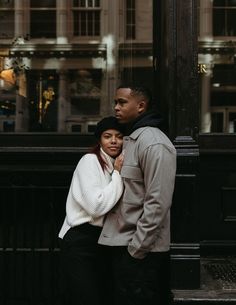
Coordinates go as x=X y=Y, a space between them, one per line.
x=202 y=69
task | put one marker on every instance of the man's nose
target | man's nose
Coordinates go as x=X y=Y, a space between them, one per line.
x=116 y=107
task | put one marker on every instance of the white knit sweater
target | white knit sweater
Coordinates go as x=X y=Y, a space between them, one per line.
x=93 y=192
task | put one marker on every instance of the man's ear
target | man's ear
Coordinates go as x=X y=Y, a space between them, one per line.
x=141 y=106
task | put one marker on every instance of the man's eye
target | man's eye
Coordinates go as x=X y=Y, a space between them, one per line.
x=120 y=103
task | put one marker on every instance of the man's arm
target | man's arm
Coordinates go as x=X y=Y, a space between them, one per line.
x=158 y=164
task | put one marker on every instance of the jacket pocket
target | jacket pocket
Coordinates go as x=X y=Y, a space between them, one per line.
x=131 y=172
x=133 y=185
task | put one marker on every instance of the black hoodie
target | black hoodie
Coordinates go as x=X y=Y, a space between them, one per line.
x=149 y=118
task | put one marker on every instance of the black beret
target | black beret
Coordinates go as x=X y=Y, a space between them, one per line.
x=108 y=123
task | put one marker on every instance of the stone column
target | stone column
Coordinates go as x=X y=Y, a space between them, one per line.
x=19 y=19
x=111 y=39
x=205 y=20
x=205 y=34
x=205 y=96
x=63 y=105
x=21 y=120
x=62 y=16
x=21 y=116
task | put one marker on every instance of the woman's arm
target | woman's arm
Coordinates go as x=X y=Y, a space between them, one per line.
x=90 y=191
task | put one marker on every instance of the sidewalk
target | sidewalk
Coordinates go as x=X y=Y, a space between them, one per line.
x=218 y=284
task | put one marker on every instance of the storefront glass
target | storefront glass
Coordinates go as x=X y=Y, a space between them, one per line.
x=60 y=61
x=217 y=68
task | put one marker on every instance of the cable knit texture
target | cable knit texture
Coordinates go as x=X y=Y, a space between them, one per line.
x=93 y=192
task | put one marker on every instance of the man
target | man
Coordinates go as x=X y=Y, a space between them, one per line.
x=138 y=227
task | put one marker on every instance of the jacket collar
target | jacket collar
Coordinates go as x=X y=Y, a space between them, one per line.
x=135 y=134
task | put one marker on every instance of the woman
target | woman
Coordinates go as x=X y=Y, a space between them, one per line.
x=95 y=188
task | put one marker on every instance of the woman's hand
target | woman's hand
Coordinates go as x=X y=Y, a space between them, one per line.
x=119 y=162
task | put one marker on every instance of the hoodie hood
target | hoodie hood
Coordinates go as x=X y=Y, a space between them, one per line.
x=151 y=119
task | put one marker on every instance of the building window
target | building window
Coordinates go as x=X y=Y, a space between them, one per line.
x=223 y=119
x=217 y=121
x=85 y=91
x=224 y=18
x=43 y=103
x=7 y=113
x=223 y=85
x=223 y=99
x=7 y=108
x=130 y=19
x=7 y=19
x=86 y=17
x=217 y=71
x=43 y=19
x=140 y=75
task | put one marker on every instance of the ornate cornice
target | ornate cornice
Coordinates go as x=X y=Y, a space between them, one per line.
x=58 y=50
x=75 y=50
x=217 y=47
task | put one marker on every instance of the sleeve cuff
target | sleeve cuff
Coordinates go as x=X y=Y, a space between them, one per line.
x=136 y=253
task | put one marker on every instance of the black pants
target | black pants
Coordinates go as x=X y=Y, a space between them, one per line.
x=85 y=274
x=141 y=281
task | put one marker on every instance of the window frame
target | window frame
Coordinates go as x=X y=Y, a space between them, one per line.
x=6 y=10
x=43 y=9
x=225 y=9
x=130 y=25
x=93 y=10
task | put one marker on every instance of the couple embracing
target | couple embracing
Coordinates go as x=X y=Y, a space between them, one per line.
x=115 y=239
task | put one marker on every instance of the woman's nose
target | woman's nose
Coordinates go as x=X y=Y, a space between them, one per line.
x=113 y=139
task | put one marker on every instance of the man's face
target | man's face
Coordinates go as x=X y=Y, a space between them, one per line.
x=127 y=106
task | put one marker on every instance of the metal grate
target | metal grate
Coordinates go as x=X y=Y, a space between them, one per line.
x=223 y=273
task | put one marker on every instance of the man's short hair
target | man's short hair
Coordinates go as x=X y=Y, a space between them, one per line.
x=139 y=90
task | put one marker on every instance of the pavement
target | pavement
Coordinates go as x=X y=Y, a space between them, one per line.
x=218 y=284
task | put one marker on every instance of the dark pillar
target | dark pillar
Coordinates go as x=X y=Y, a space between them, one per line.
x=175 y=66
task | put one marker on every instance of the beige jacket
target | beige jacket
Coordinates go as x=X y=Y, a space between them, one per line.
x=141 y=219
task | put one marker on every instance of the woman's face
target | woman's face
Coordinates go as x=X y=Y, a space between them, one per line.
x=111 y=142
